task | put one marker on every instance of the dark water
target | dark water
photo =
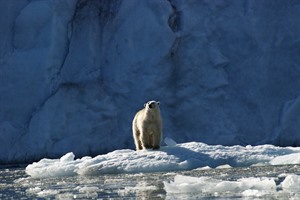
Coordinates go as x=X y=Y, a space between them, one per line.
x=15 y=184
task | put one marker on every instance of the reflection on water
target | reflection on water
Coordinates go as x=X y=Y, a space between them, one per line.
x=15 y=184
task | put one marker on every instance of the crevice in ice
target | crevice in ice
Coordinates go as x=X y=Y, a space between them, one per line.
x=174 y=20
x=39 y=108
x=56 y=79
x=107 y=11
x=175 y=24
x=174 y=47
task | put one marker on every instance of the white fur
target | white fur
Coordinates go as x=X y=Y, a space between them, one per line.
x=147 y=127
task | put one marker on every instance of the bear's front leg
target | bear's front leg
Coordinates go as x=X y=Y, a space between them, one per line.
x=156 y=141
x=146 y=141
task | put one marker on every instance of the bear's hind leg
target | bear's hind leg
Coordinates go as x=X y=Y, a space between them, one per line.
x=139 y=145
x=137 y=141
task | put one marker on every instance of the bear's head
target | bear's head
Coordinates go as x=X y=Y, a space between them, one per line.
x=152 y=105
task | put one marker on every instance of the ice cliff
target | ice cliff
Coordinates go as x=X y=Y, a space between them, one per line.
x=74 y=72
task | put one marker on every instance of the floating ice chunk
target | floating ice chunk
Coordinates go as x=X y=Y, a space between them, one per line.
x=68 y=157
x=46 y=193
x=204 y=168
x=187 y=184
x=169 y=142
x=86 y=192
x=291 y=183
x=140 y=187
x=65 y=166
x=194 y=185
x=223 y=167
x=293 y=158
x=255 y=193
x=86 y=189
x=34 y=190
x=264 y=183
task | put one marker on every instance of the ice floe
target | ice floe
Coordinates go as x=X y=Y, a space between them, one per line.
x=184 y=156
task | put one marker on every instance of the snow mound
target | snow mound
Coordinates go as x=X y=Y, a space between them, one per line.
x=184 y=156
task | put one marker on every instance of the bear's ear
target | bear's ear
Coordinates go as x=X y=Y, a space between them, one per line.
x=158 y=103
x=145 y=104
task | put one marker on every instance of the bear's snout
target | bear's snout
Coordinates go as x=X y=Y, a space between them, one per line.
x=152 y=105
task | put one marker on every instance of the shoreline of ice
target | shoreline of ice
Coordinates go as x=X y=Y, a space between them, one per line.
x=186 y=156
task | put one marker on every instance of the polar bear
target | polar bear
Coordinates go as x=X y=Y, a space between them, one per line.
x=147 y=127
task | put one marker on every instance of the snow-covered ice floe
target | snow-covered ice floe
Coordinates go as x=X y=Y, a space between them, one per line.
x=184 y=156
x=247 y=187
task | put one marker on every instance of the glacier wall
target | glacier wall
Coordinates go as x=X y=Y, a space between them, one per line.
x=74 y=72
